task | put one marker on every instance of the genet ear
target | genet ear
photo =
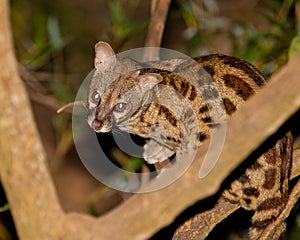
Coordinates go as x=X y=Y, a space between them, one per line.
x=149 y=80
x=105 y=56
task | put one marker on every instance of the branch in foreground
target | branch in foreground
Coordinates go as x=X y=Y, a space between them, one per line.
x=202 y=224
x=24 y=172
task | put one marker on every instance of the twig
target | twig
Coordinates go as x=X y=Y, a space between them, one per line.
x=284 y=10
x=31 y=80
x=201 y=225
x=159 y=12
x=4 y=208
x=46 y=100
x=39 y=93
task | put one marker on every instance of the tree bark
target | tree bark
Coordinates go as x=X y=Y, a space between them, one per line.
x=30 y=190
x=159 y=13
x=24 y=172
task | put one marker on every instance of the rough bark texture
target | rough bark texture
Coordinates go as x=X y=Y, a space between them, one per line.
x=30 y=190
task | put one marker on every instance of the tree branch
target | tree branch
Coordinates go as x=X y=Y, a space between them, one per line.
x=23 y=171
x=202 y=224
x=159 y=12
x=30 y=190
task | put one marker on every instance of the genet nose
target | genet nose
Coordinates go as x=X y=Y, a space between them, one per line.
x=97 y=125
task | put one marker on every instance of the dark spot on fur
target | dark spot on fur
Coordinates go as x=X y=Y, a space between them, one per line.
x=168 y=115
x=270 y=178
x=184 y=88
x=201 y=136
x=203 y=109
x=202 y=72
x=232 y=193
x=210 y=70
x=261 y=224
x=271 y=156
x=255 y=166
x=230 y=108
x=210 y=122
x=243 y=179
x=246 y=67
x=251 y=191
x=271 y=203
x=193 y=94
x=207 y=119
x=233 y=198
x=241 y=88
x=171 y=82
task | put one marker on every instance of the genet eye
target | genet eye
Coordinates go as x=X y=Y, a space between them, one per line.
x=95 y=97
x=120 y=107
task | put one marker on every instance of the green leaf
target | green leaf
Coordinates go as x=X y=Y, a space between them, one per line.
x=39 y=32
x=54 y=33
x=294 y=46
x=92 y=210
x=133 y=164
x=4 y=208
x=187 y=12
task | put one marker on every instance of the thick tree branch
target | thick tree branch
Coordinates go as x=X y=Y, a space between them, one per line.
x=24 y=174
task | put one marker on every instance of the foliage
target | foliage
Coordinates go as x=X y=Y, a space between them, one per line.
x=4 y=208
x=123 y=24
x=46 y=42
x=266 y=48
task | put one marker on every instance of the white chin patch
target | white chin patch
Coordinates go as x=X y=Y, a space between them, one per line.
x=104 y=129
